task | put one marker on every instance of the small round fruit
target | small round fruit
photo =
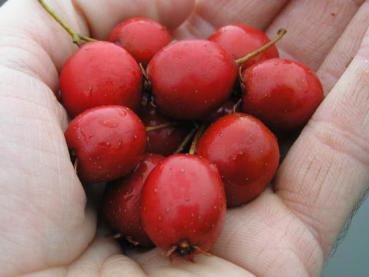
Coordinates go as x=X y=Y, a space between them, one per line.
x=108 y=141
x=283 y=94
x=164 y=141
x=122 y=202
x=100 y=73
x=142 y=37
x=241 y=39
x=183 y=205
x=192 y=78
x=245 y=152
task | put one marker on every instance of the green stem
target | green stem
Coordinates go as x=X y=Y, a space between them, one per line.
x=280 y=34
x=161 y=126
x=186 y=140
x=76 y=37
x=196 y=139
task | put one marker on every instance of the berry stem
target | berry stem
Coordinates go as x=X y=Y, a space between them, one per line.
x=280 y=34
x=187 y=140
x=161 y=126
x=196 y=139
x=76 y=37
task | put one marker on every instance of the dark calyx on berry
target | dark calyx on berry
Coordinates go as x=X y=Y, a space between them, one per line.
x=184 y=248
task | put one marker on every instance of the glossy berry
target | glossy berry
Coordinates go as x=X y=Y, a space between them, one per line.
x=100 y=73
x=183 y=205
x=241 y=39
x=108 y=141
x=142 y=37
x=122 y=202
x=192 y=78
x=164 y=141
x=245 y=152
x=283 y=94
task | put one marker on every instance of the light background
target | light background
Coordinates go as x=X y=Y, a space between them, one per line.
x=351 y=258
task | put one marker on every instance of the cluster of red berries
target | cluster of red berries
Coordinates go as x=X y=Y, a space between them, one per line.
x=137 y=104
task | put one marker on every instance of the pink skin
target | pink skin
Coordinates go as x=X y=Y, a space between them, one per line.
x=245 y=152
x=100 y=73
x=241 y=39
x=122 y=202
x=141 y=37
x=183 y=202
x=283 y=94
x=109 y=141
x=192 y=78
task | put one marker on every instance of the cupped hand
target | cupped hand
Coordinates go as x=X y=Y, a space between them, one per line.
x=46 y=228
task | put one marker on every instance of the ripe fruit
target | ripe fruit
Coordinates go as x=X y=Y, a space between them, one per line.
x=240 y=39
x=122 y=202
x=245 y=152
x=183 y=205
x=100 y=73
x=282 y=93
x=108 y=141
x=142 y=37
x=192 y=78
x=164 y=141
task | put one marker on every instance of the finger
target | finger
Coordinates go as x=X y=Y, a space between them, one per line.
x=210 y=15
x=157 y=264
x=170 y=13
x=268 y=240
x=326 y=172
x=313 y=28
x=345 y=49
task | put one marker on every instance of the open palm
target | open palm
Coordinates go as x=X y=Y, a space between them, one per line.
x=46 y=228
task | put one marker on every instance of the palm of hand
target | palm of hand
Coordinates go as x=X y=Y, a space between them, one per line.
x=287 y=232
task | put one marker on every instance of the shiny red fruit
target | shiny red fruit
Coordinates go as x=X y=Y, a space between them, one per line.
x=142 y=37
x=245 y=152
x=108 y=141
x=122 y=202
x=183 y=205
x=100 y=73
x=192 y=78
x=283 y=94
x=164 y=141
x=241 y=39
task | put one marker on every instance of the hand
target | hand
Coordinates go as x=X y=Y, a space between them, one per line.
x=45 y=227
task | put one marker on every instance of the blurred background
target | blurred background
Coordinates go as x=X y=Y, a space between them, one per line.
x=351 y=257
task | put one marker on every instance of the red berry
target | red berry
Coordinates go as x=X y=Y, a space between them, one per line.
x=245 y=152
x=241 y=39
x=122 y=202
x=164 y=141
x=108 y=141
x=183 y=205
x=283 y=94
x=190 y=79
x=142 y=37
x=100 y=73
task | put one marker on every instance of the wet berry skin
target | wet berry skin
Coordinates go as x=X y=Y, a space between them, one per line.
x=108 y=141
x=192 y=78
x=142 y=37
x=241 y=39
x=122 y=202
x=100 y=73
x=283 y=94
x=183 y=205
x=246 y=153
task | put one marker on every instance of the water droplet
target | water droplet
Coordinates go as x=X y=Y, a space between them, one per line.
x=182 y=170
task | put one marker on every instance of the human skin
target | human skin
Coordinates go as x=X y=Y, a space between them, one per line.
x=45 y=226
